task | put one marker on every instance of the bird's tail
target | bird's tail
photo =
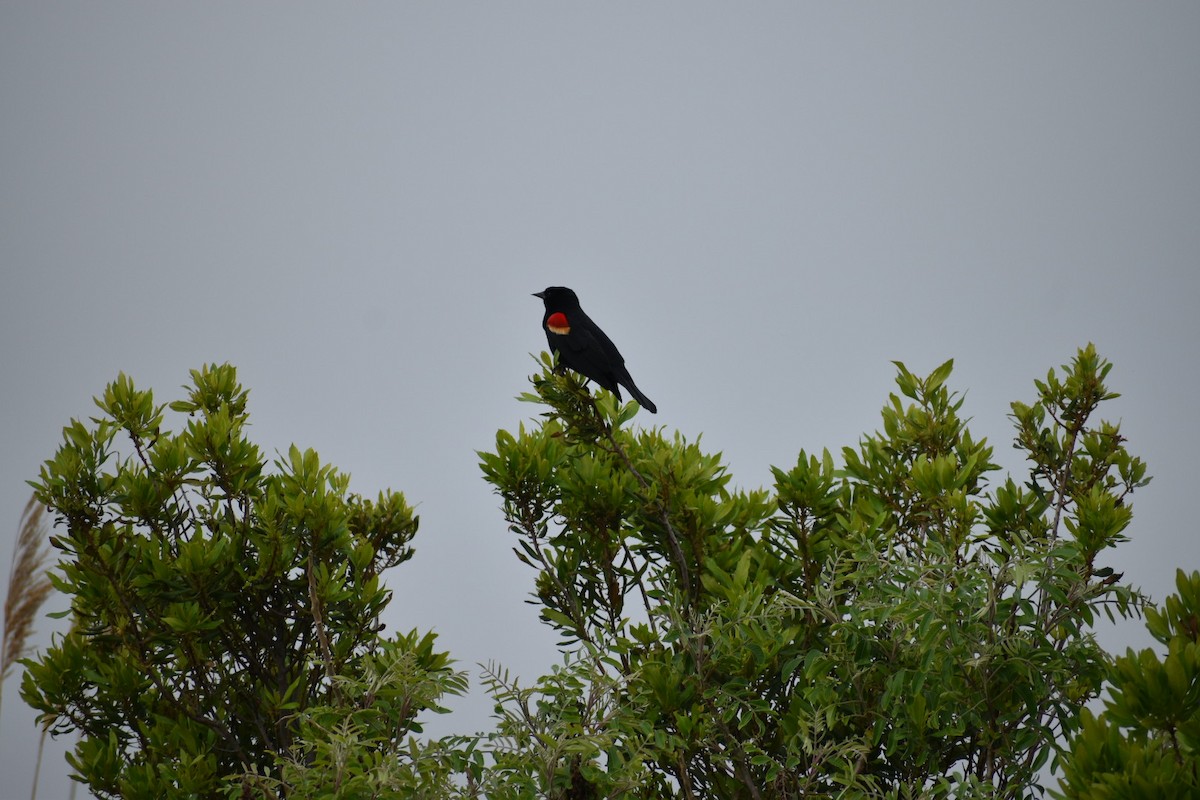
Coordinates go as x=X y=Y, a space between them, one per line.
x=643 y=401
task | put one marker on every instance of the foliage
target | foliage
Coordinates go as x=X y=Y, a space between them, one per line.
x=359 y=745
x=220 y=609
x=894 y=627
x=1146 y=743
x=563 y=737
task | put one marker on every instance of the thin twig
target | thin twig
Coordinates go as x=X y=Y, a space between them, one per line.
x=318 y=619
x=637 y=577
x=1060 y=505
x=529 y=525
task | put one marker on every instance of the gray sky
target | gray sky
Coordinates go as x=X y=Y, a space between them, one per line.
x=763 y=205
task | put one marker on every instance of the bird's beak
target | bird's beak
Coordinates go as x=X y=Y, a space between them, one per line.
x=540 y=295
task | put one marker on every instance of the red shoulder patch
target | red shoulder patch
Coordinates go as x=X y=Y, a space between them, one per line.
x=557 y=323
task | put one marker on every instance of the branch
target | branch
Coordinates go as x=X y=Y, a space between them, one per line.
x=672 y=536
x=318 y=619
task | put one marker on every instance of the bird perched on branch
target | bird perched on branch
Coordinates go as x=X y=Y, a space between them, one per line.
x=583 y=347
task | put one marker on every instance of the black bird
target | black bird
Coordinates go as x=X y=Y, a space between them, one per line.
x=583 y=347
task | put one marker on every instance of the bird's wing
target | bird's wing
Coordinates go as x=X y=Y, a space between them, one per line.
x=594 y=336
x=580 y=339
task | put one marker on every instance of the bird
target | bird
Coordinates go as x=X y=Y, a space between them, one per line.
x=583 y=347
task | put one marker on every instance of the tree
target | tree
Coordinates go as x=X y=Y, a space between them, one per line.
x=1146 y=743
x=221 y=610
x=894 y=627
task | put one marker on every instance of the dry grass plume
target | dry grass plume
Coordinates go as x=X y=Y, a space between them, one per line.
x=28 y=587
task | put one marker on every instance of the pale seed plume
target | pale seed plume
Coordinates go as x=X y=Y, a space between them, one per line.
x=28 y=586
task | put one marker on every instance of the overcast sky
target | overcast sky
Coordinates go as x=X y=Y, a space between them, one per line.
x=762 y=204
